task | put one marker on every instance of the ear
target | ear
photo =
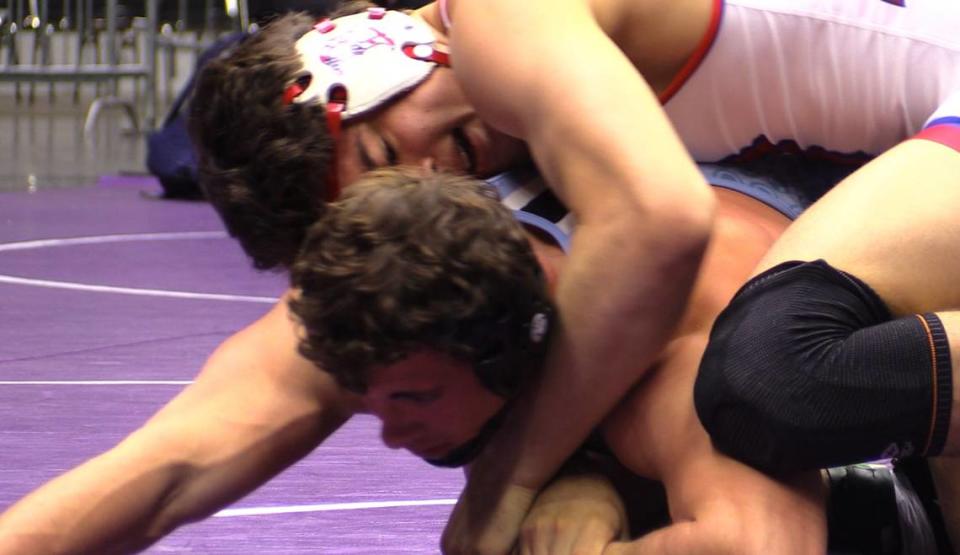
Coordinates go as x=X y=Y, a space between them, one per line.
x=549 y=255
x=430 y=14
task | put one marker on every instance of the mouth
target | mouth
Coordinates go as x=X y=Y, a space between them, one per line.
x=429 y=451
x=495 y=151
x=476 y=139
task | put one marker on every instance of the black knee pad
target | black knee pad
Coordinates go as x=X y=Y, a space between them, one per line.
x=806 y=369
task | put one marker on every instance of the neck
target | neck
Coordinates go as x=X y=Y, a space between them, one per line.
x=549 y=254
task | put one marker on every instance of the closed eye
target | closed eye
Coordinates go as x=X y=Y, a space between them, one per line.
x=390 y=157
x=466 y=149
x=389 y=152
x=416 y=397
x=365 y=159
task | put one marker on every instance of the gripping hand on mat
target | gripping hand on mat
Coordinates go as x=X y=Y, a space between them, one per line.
x=493 y=532
x=578 y=514
x=644 y=216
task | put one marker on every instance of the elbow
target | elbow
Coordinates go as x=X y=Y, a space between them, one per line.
x=687 y=212
x=687 y=226
x=678 y=217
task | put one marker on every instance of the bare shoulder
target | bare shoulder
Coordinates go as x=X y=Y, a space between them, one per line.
x=657 y=36
x=256 y=387
x=266 y=351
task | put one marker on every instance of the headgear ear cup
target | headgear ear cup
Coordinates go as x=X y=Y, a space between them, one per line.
x=351 y=52
x=514 y=348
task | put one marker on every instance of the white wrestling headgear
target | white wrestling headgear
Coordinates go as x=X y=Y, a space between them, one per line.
x=358 y=62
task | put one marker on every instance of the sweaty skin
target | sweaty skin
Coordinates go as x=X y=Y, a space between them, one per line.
x=429 y=403
x=643 y=211
x=257 y=422
x=644 y=216
x=716 y=504
x=610 y=142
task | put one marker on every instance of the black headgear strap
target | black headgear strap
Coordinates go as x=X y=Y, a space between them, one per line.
x=467 y=452
x=497 y=375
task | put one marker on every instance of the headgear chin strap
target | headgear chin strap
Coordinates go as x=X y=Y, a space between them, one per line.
x=503 y=374
x=465 y=453
x=358 y=62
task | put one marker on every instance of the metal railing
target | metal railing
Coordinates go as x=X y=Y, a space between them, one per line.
x=105 y=50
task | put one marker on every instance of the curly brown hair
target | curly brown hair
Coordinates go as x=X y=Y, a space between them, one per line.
x=262 y=164
x=410 y=260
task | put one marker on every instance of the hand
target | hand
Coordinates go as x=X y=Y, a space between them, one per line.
x=568 y=537
x=576 y=514
x=486 y=519
x=619 y=548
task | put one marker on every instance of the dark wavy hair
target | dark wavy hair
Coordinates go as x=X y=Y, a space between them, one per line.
x=407 y=260
x=262 y=164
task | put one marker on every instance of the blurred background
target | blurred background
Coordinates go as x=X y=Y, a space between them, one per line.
x=83 y=83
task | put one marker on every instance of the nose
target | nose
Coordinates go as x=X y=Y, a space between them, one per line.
x=397 y=435
x=429 y=163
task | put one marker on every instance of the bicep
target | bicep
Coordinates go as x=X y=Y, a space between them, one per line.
x=592 y=122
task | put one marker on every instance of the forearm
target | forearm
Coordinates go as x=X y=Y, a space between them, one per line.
x=724 y=537
x=684 y=538
x=156 y=480
x=644 y=216
x=255 y=409
x=611 y=330
x=81 y=512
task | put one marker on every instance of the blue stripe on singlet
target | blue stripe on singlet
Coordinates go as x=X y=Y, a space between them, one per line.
x=523 y=191
x=790 y=200
x=532 y=203
x=948 y=120
x=509 y=182
x=529 y=218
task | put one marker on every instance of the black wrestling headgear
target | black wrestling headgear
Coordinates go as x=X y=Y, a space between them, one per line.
x=511 y=347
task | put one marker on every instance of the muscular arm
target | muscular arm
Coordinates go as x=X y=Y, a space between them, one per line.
x=593 y=502
x=644 y=213
x=717 y=505
x=255 y=409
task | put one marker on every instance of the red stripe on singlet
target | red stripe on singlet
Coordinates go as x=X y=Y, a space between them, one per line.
x=947 y=134
x=698 y=55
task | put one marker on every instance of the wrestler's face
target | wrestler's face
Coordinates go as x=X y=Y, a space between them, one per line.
x=429 y=403
x=433 y=125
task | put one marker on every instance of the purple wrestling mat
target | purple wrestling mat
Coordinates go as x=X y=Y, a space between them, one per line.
x=110 y=303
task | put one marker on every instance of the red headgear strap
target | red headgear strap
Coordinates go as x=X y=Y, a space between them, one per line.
x=334 y=120
x=427 y=53
x=291 y=92
x=337 y=94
